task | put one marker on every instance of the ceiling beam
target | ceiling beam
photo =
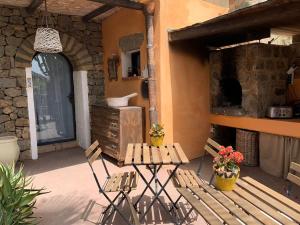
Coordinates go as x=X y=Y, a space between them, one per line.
x=97 y=12
x=122 y=3
x=33 y=6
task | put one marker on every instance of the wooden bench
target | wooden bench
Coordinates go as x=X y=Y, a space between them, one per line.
x=249 y=203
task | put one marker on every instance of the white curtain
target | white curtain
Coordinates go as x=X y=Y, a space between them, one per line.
x=277 y=152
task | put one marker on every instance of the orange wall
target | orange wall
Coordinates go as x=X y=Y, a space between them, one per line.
x=122 y=23
x=181 y=76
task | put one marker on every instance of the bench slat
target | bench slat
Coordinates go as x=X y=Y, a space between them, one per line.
x=269 y=200
x=209 y=217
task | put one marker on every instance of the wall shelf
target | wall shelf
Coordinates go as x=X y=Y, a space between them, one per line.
x=284 y=127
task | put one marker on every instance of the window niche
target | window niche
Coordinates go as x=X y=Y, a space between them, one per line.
x=131 y=55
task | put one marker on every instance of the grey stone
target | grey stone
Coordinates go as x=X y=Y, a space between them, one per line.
x=20 y=101
x=131 y=42
x=4 y=118
x=30 y=20
x=23 y=113
x=14 y=41
x=79 y=25
x=21 y=81
x=3 y=24
x=4 y=103
x=16 y=20
x=3 y=19
x=4 y=73
x=4 y=64
x=2 y=129
x=21 y=122
x=24 y=144
x=5 y=11
x=8 y=31
x=26 y=133
x=1 y=51
x=7 y=82
x=9 y=126
x=2 y=40
x=21 y=34
x=93 y=26
x=17 y=72
x=13 y=116
x=8 y=110
x=13 y=92
x=10 y=50
x=16 y=12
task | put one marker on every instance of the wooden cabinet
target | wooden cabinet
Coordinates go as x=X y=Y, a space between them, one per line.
x=115 y=128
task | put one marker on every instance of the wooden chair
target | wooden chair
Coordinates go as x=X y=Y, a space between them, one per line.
x=121 y=183
x=189 y=178
x=293 y=176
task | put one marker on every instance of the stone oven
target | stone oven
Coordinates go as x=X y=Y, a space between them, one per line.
x=247 y=79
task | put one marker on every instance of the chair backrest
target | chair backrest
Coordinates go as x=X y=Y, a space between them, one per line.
x=212 y=147
x=293 y=175
x=94 y=152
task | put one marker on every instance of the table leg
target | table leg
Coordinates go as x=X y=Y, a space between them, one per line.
x=156 y=195
x=144 y=191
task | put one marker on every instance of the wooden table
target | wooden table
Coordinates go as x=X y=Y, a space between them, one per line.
x=142 y=154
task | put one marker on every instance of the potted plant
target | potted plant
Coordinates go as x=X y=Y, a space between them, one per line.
x=157 y=134
x=226 y=168
x=17 y=197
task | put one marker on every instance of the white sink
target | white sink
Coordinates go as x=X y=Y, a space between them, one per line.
x=120 y=102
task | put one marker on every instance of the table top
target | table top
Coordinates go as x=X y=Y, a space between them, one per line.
x=143 y=154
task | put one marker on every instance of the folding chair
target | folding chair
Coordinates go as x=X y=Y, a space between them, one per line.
x=293 y=176
x=189 y=178
x=122 y=184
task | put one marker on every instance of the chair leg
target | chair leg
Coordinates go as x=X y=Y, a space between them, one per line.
x=212 y=178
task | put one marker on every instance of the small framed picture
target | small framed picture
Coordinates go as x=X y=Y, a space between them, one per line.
x=113 y=63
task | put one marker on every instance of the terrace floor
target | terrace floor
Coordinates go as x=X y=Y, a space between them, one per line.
x=74 y=198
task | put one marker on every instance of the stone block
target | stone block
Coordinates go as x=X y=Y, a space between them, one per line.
x=20 y=101
x=10 y=50
x=5 y=11
x=24 y=145
x=23 y=113
x=8 y=31
x=2 y=40
x=4 y=63
x=21 y=122
x=1 y=51
x=8 y=110
x=10 y=126
x=21 y=82
x=31 y=21
x=14 y=41
x=16 y=20
x=4 y=73
x=21 y=34
x=4 y=118
x=7 y=82
x=25 y=133
x=2 y=129
x=79 y=25
x=12 y=92
x=17 y=72
x=4 y=103
x=13 y=116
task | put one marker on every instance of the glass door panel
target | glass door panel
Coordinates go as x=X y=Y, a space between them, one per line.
x=53 y=98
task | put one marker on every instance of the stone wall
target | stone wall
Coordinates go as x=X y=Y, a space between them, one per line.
x=261 y=71
x=82 y=44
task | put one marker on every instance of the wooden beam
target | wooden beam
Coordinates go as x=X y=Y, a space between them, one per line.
x=33 y=6
x=270 y=14
x=97 y=12
x=122 y=3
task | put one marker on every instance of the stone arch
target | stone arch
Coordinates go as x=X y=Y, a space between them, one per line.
x=72 y=49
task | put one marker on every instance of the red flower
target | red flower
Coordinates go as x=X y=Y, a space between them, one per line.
x=238 y=157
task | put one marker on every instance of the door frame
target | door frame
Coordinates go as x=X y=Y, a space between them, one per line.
x=82 y=114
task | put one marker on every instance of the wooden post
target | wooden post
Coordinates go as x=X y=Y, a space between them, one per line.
x=149 y=15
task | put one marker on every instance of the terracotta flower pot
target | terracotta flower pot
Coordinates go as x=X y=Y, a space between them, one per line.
x=226 y=184
x=157 y=141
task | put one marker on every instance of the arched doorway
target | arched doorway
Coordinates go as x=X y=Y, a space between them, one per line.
x=53 y=91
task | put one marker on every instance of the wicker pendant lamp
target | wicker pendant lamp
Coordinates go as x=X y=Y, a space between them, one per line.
x=47 y=39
